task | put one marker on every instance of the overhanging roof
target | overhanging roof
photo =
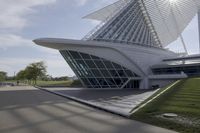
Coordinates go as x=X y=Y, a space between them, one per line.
x=168 y=17
x=192 y=57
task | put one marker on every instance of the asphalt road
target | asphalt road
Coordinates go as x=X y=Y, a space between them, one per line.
x=29 y=110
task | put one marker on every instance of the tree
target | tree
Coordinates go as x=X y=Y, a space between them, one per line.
x=3 y=76
x=32 y=72
x=21 y=75
x=35 y=71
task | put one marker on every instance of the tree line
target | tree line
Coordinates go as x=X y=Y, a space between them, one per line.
x=33 y=72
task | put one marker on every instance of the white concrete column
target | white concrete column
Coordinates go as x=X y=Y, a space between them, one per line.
x=144 y=84
x=199 y=28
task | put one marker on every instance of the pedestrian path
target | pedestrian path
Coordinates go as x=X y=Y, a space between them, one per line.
x=121 y=102
x=25 y=109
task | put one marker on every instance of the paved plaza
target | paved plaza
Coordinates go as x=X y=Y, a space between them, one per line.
x=119 y=101
x=29 y=110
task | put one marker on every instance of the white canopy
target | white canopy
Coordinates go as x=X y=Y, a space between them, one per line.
x=107 y=11
x=168 y=17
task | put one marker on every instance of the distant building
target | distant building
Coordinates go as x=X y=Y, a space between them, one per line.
x=127 y=49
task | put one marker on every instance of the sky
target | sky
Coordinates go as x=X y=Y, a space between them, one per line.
x=22 y=21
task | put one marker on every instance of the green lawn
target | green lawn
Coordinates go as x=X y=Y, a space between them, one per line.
x=54 y=83
x=182 y=99
x=68 y=83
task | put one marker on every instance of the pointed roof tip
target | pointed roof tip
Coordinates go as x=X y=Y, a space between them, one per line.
x=37 y=40
x=40 y=40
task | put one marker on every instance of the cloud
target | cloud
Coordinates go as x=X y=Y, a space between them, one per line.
x=13 y=17
x=12 y=12
x=12 y=41
x=98 y=3
x=81 y=2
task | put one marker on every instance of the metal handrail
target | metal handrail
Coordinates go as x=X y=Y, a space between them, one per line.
x=94 y=30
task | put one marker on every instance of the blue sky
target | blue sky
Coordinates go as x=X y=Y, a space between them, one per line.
x=21 y=21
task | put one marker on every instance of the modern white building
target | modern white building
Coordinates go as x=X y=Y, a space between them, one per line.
x=127 y=49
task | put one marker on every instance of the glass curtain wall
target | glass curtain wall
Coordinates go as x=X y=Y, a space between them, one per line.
x=189 y=70
x=97 y=72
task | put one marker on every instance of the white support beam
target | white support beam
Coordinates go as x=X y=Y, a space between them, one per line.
x=199 y=27
x=177 y=26
x=184 y=45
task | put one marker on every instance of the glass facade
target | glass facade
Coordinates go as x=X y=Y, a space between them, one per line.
x=97 y=72
x=193 y=70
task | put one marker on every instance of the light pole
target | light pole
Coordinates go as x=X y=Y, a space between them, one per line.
x=14 y=75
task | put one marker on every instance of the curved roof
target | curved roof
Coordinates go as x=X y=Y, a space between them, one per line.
x=168 y=17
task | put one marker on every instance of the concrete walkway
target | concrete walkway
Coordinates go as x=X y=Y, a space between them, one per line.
x=29 y=110
x=118 y=101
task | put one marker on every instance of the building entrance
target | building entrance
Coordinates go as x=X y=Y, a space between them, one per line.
x=132 y=84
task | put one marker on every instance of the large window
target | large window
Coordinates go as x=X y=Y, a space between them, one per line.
x=189 y=70
x=97 y=72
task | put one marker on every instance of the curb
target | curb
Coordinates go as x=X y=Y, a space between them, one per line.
x=87 y=103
